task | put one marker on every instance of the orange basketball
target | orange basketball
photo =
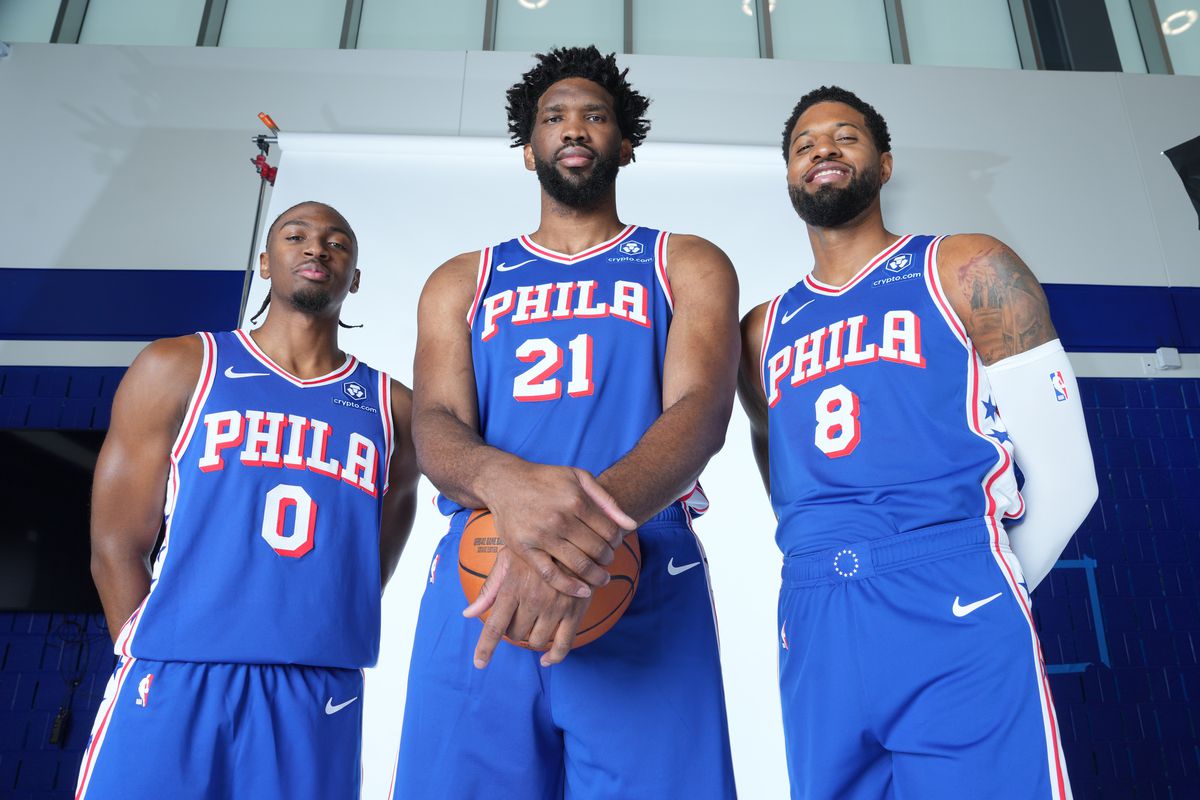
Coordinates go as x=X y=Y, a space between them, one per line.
x=477 y=553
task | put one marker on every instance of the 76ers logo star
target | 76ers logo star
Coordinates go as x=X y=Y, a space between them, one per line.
x=353 y=390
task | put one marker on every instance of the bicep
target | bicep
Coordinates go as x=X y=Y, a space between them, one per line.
x=996 y=296
x=129 y=486
x=443 y=372
x=702 y=346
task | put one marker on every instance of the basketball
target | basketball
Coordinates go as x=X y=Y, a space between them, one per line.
x=477 y=553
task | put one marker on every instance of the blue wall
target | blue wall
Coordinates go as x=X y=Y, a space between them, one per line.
x=1119 y=618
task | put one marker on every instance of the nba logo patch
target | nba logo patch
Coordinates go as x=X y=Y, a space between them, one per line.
x=353 y=390
x=899 y=263
x=143 y=698
x=783 y=635
x=1059 y=384
x=632 y=248
x=433 y=568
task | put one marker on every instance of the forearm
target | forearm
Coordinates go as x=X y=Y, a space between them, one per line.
x=122 y=577
x=1044 y=416
x=456 y=459
x=669 y=457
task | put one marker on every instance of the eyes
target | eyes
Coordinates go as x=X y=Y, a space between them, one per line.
x=333 y=244
x=594 y=118
x=840 y=138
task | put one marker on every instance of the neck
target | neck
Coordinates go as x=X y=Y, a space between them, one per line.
x=303 y=344
x=564 y=229
x=839 y=253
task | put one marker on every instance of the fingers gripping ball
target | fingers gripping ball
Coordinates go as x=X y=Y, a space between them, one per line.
x=477 y=553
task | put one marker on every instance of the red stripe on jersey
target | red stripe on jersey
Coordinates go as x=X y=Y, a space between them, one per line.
x=1048 y=717
x=824 y=288
x=485 y=269
x=563 y=258
x=385 y=411
x=337 y=374
x=660 y=267
x=97 y=737
x=768 y=324
x=934 y=283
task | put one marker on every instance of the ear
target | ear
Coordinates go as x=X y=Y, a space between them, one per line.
x=626 y=153
x=264 y=268
x=354 y=283
x=530 y=163
x=885 y=167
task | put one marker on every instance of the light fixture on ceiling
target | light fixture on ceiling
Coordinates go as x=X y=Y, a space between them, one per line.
x=533 y=5
x=1179 y=22
x=748 y=7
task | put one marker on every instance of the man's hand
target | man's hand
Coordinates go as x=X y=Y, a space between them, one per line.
x=525 y=608
x=559 y=520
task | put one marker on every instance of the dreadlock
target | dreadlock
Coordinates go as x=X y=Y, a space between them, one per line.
x=576 y=62
x=876 y=124
x=271 y=232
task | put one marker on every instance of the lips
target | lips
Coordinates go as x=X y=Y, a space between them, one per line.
x=313 y=271
x=575 y=156
x=826 y=172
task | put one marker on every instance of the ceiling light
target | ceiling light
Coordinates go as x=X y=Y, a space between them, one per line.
x=533 y=5
x=1179 y=22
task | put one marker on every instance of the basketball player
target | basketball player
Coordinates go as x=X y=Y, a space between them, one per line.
x=574 y=380
x=909 y=665
x=282 y=473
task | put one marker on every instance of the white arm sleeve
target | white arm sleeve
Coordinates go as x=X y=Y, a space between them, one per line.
x=1038 y=399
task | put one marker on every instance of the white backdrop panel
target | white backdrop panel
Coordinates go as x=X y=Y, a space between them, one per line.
x=415 y=202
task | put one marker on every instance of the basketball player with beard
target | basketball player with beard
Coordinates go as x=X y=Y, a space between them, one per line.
x=888 y=392
x=281 y=473
x=574 y=381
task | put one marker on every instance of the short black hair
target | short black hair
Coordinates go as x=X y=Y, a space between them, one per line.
x=876 y=124
x=576 y=62
x=290 y=209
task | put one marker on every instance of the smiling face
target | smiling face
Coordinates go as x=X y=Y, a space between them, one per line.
x=576 y=146
x=835 y=171
x=310 y=259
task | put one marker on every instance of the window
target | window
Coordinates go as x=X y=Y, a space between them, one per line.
x=1181 y=31
x=422 y=25
x=857 y=32
x=283 y=23
x=537 y=25
x=141 y=22
x=695 y=28
x=27 y=20
x=964 y=33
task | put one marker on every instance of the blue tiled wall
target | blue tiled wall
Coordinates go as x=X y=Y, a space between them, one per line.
x=1120 y=619
x=1129 y=726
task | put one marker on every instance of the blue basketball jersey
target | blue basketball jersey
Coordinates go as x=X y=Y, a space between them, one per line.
x=568 y=350
x=271 y=548
x=880 y=415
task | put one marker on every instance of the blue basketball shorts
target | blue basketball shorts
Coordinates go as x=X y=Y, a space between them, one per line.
x=909 y=667
x=183 y=730
x=638 y=713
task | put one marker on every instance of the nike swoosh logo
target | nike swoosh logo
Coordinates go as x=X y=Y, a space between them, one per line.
x=330 y=708
x=786 y=318
x=674 y=570
x=962 y=611
x=506 y=268
x=229 y=373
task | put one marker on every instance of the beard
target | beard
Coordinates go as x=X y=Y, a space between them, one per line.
x=829 y=207
x=310 y=301
x=581 y=192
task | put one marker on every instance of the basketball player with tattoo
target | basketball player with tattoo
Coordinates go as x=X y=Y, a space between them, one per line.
x=281 y=473
x=574 y=381
x=889 y=392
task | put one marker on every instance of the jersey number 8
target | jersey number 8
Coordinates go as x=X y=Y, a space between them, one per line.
x=837 y=430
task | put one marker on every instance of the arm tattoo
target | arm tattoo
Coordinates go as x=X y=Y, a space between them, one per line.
x=1007 y=312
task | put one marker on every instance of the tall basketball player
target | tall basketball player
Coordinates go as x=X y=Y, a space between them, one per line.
x=282 y=475
x=575 y=381
x=887 y=391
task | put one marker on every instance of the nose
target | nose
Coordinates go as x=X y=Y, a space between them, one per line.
x=825 y=147
x=316 y=248
x=573 y=129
